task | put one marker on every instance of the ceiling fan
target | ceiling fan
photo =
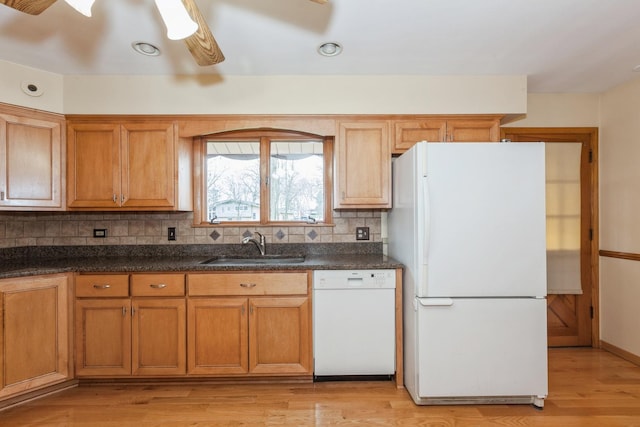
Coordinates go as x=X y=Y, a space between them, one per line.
x=195 y=31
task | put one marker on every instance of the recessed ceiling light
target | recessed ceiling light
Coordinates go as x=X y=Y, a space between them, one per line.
x=144 y=48
x=330 y=49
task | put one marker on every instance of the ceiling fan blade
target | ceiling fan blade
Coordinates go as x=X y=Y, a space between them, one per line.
x=32 y=7
x=321 y=1
x=201 y=44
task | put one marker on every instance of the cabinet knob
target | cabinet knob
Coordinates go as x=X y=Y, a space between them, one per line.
x=248 y=285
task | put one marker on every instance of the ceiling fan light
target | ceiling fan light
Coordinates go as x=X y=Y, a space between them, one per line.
x=82 y=6
x=176 y=18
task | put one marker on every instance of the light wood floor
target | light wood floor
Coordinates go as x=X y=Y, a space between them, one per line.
x=587 y=387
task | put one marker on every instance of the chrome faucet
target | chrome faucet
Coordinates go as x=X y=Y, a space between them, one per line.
x=260 y=244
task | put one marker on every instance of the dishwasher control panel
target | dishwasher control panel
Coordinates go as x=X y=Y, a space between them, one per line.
x=354 y=279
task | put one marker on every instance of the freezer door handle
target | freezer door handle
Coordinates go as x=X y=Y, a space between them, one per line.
x=435 y=302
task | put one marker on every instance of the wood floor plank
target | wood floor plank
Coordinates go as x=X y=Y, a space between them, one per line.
x=587 y=387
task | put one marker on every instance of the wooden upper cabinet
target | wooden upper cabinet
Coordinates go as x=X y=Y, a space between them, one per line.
x=363 y=165
x=444 y=129
x=407 y=133
x=148 y=165
x=135 y=165
x=473 y=130
x=93 y=165
x=31 y=162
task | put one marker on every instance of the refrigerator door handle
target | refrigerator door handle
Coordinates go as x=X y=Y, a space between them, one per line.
x=435 y=302
x=427 y=219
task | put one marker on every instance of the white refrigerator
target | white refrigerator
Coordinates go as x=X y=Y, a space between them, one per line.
x=468 y=223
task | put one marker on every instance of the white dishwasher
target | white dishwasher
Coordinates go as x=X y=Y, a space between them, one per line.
x=354 y=323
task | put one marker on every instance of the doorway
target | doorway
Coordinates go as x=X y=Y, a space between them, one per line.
x=572 y=222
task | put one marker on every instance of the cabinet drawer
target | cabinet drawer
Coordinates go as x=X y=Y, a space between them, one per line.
x=152 y=285
x=102 y=285
x=247 y=284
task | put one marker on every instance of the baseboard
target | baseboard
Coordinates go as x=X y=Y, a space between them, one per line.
x=36 y=394
x=633 y=358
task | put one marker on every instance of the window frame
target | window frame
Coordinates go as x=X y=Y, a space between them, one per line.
x=264 y=137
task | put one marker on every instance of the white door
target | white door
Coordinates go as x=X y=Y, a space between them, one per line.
x=483 y=220
x=482 y=347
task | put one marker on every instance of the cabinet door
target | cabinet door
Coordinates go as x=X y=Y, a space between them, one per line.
x=407 y=133
x=473 y=130
x=217 y=342
x=103 y=337
x=158 y=336
x=93 y=165
x=148 y=165
x=30 y=163
x=363 y=164
x=34 y=340
x=279 y=336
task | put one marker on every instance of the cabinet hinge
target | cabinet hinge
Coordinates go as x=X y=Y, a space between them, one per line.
x=591 y=234
x=591 y=311
x=590 y=156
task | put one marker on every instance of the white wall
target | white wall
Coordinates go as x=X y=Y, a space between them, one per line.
x=13 y=76
x=265 y=94
x=560 y=110
x=294 y=94
x=619 y=207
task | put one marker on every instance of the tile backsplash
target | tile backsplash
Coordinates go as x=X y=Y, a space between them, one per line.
x=19 y=229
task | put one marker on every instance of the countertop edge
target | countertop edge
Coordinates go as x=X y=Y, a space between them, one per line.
x=150 y=264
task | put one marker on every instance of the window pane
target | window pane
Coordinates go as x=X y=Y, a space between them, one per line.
x=233 y=181
x=296 y=182
x=563 y=217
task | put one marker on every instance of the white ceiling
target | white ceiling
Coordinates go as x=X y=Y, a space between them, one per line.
x=562 y=45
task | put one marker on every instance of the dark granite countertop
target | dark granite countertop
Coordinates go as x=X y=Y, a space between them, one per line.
x=147 y=260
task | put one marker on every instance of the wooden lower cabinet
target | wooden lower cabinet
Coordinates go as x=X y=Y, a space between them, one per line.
x=130 y=337
x=249 y=324
x=103 y=337
x=218 y=341
x=34 y=345
x=230 y=336
x=227 y=324
x=117 y=335
x=158 y=336
x=279 y=336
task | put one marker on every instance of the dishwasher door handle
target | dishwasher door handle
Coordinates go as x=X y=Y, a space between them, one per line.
x=354 y=282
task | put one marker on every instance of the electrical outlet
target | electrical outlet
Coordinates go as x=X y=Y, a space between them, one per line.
x=171 y=233
x=100 y=232
x=362 y=233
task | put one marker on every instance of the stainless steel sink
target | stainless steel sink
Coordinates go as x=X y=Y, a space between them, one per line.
x=264 y=259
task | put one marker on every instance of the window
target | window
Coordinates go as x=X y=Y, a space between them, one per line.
x=265 y=177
